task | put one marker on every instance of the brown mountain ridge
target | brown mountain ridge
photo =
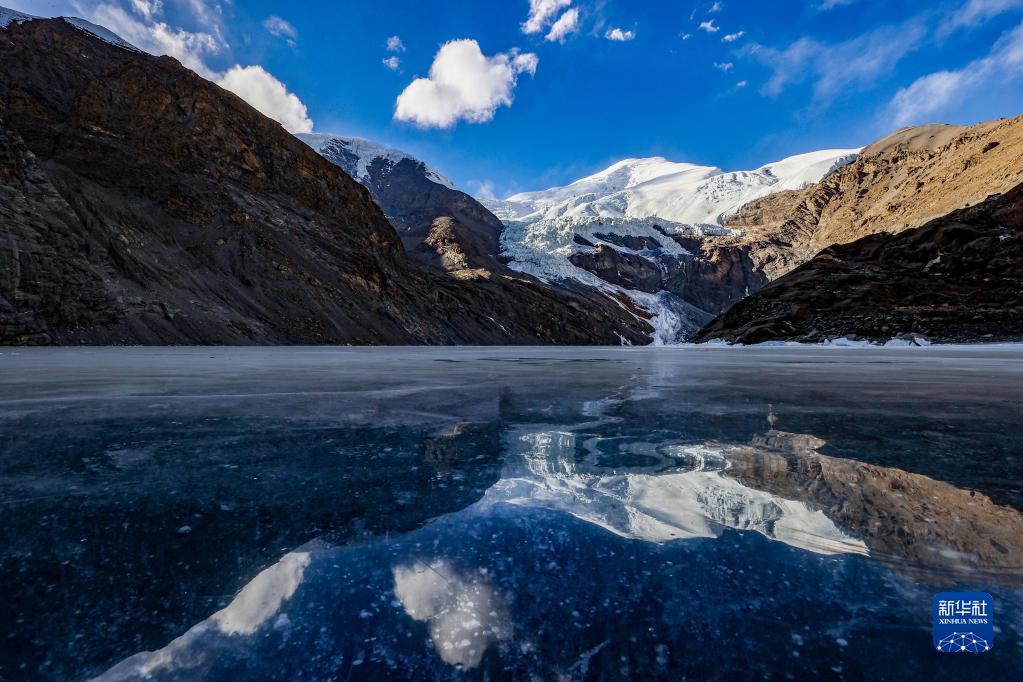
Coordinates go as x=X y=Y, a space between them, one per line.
x=142 y=204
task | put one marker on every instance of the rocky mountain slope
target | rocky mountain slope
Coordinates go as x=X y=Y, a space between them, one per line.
x=649 y=231
x=143 y=204
x=436 y=222
x=957 y=278
x=899 y=182
x=687 y=242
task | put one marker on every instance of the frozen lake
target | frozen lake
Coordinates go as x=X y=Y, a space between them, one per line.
x=519 y=513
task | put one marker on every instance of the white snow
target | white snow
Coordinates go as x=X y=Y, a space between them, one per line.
x=9 y=16
x=102 y=33
x=366 y=152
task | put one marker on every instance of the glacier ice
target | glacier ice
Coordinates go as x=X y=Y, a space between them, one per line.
x=651 y=197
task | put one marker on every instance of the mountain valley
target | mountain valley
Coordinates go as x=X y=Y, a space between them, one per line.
x=145 y=205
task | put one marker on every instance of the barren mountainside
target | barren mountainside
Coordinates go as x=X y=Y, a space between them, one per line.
x=958 y=278
x=143 y=204
x=437 y=223
x=901 y=181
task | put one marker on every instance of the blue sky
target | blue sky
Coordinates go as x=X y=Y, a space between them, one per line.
x=514 y=105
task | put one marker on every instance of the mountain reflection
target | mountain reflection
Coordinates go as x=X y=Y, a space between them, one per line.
x=915 y=524
x=468 y=517
x=777 y=485
x=655 y=492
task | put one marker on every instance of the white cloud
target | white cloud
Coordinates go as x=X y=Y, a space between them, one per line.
x=724 y=66
x=716 y=7
x=252 y=83
x=619 y=35
x=742 y=84
x=268 y=95
x=839 y=67
x=394 y=44
x=564 y=26
x=732 y=37
x=976 y=12
x=542 y=13
x=203 y=12
x=483 y=189
x=147 y=9
x=825 y=5
x=464 y=85
x=709 y=26
x=281 y=28
x=157 y=37
x=686 y=36
x=392 y=63
x=944 y=90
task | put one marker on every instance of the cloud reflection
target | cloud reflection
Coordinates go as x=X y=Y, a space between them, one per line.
x=464 y=613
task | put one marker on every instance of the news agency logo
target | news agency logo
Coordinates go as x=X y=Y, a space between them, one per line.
x=963 y=622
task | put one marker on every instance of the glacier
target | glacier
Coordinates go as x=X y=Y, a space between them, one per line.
x=650 y=198
x=676 y=192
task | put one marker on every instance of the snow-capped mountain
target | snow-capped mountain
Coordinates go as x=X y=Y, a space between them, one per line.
x=676 y=192
x=8 y=16
x=636 y=228
x=357 y=154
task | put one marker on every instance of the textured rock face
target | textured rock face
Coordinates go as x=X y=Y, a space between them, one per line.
x=899 y=182
x=42 y=270
x=716 y=276
x=710 y=279
x=413 y=197
x=618 y=267
x=143 y=204
x=958 y=278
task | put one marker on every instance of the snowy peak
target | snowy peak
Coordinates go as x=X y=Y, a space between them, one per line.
x=10 y=16
x=685 y=495
x=658 y=188
x=623 y=175
x=356 y=154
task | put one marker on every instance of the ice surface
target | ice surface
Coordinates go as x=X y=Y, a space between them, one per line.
x=439 y=512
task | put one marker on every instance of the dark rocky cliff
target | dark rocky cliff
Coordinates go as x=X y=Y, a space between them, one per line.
x=143 y=204
x=437 y=223
x=958 y=278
